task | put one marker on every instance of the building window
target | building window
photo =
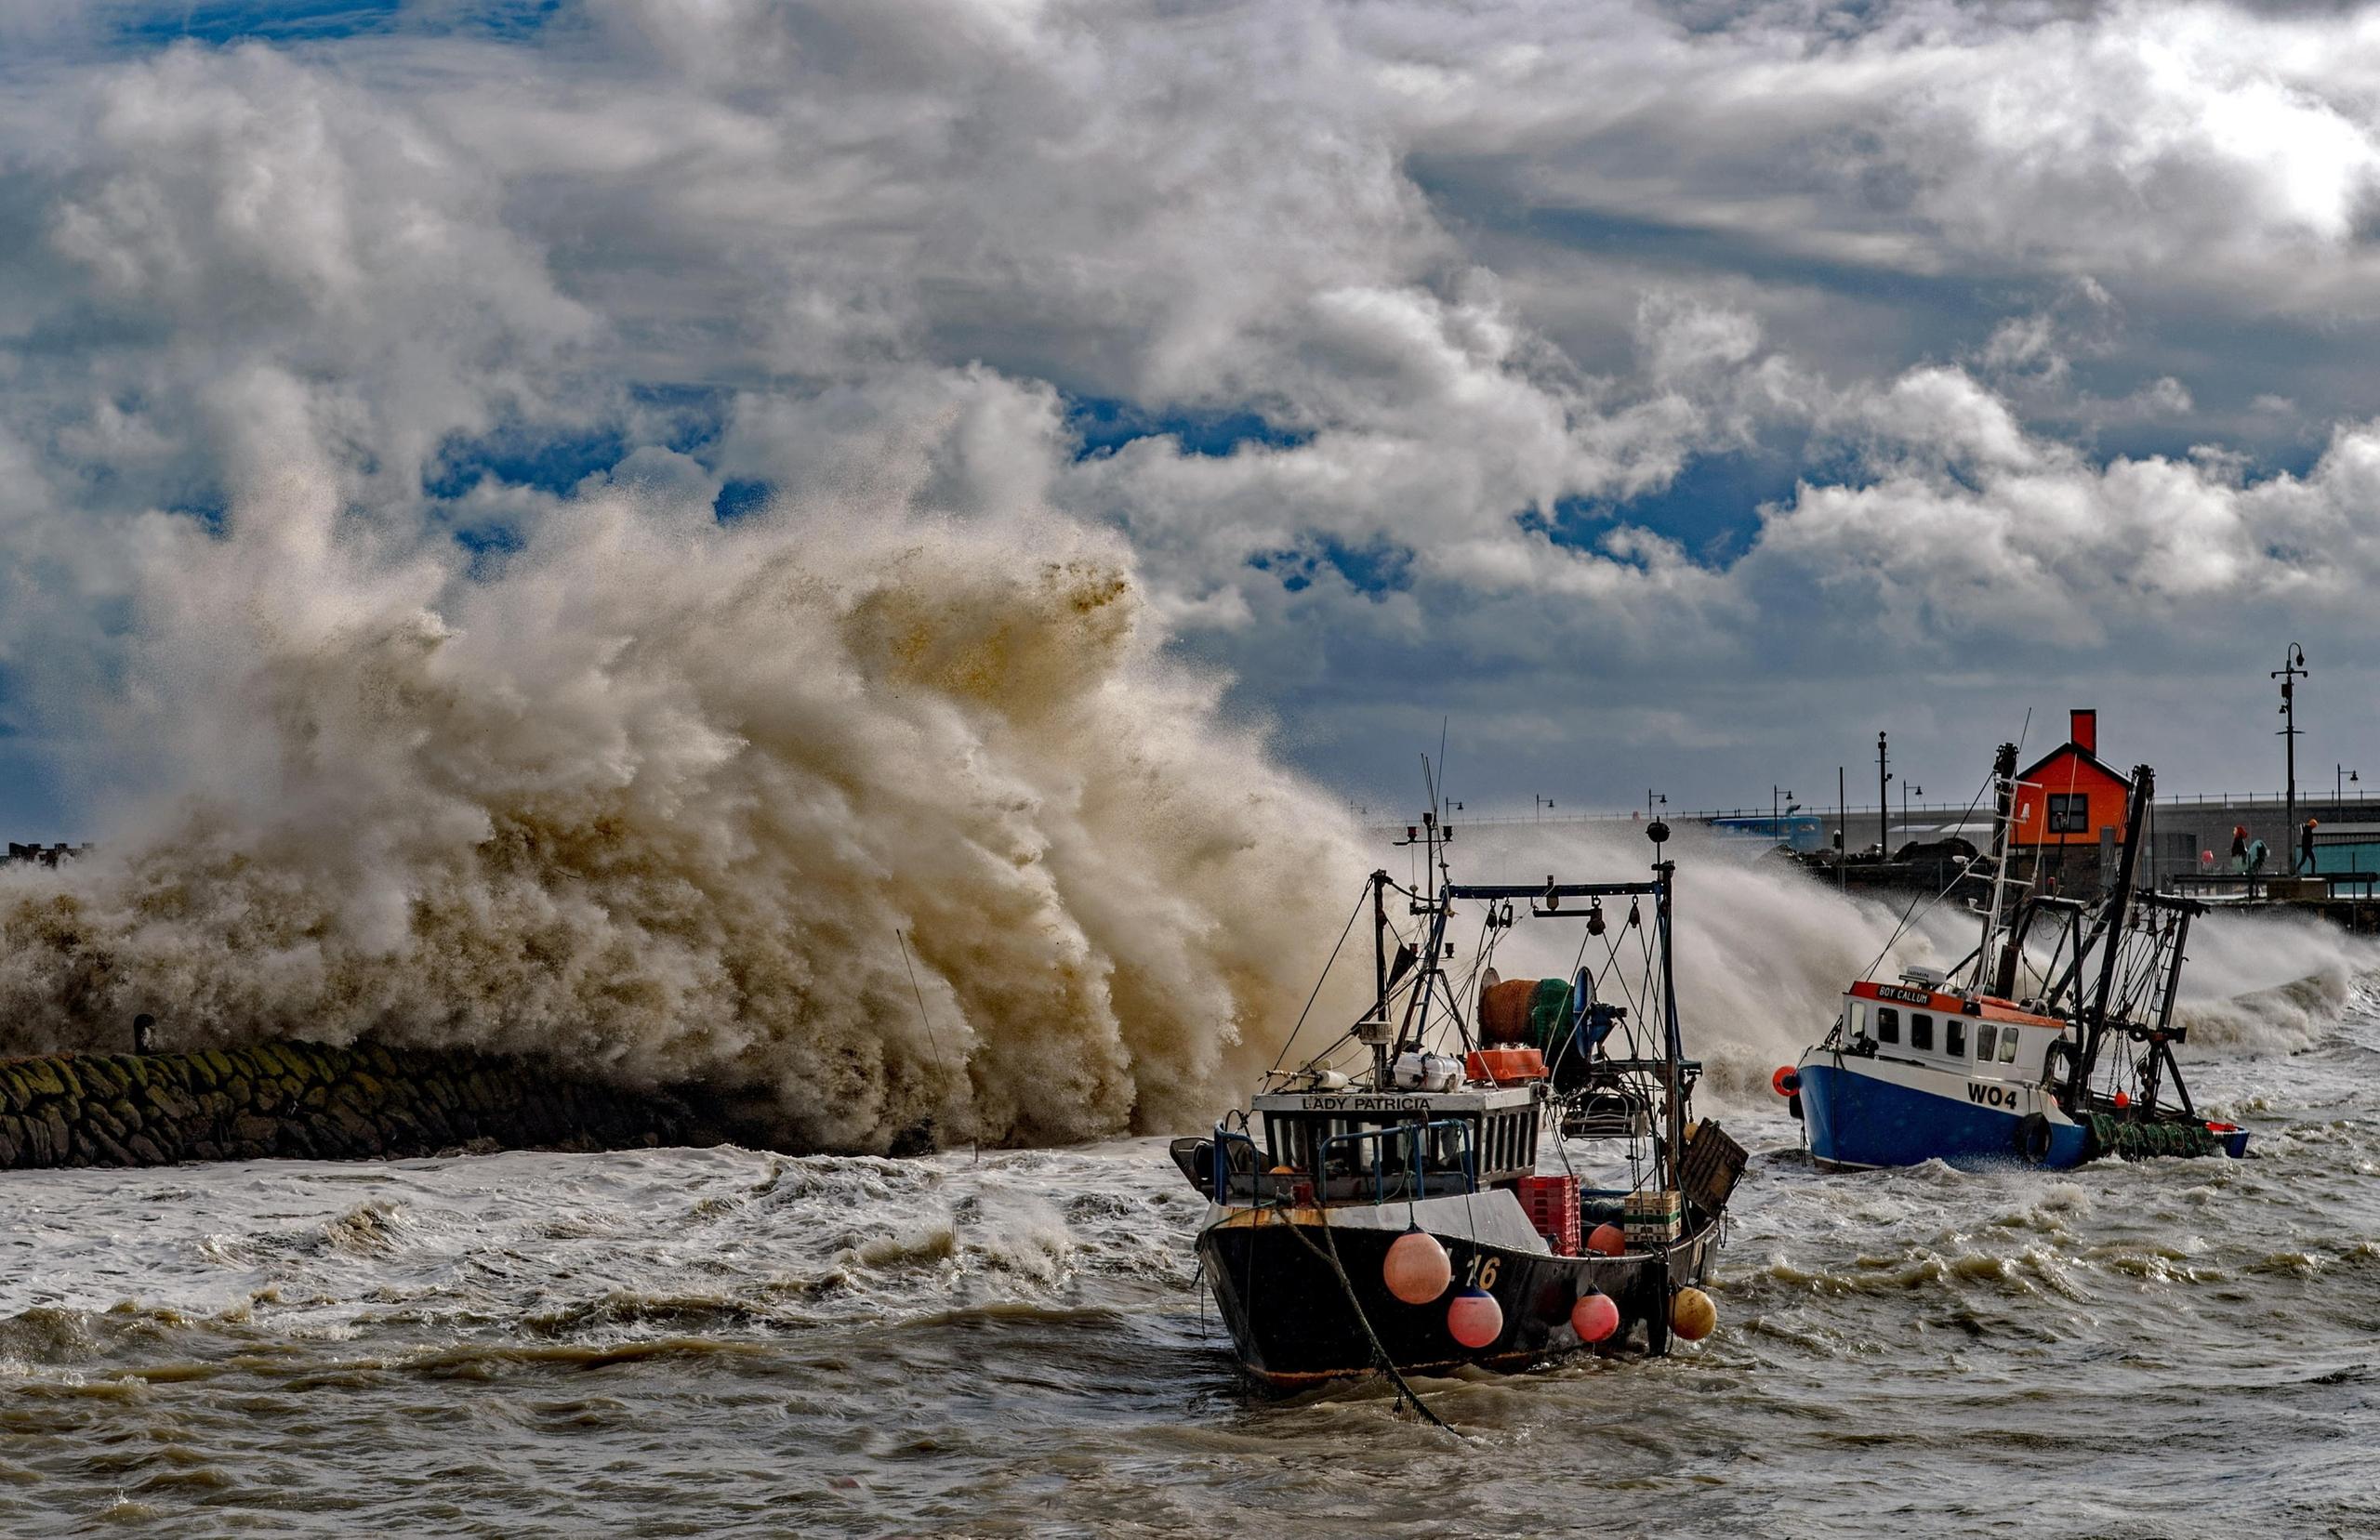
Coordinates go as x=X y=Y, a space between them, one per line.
x=1921 y=1031
x=1987 y=1037
x=2069 y=814
x=1887 y=1024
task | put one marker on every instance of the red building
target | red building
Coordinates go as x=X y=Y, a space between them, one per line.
x=2070 y=795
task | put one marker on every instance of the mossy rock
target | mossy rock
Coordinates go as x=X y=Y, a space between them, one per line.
x=40 y=1076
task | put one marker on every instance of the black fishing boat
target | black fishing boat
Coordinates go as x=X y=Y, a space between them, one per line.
x=1389 y=1204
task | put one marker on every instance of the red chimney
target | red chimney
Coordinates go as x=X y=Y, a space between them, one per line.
x=2084 y=732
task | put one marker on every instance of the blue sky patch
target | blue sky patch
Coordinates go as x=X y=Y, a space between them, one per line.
x=291 y=21
x=1373 y=570
x=553 y=463
x=1712 y=508
x=1105 y=424
x=737 y=498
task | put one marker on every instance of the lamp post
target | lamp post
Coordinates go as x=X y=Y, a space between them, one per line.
x=1542 y=803
x=2292 y=669
x=1906 y=792
x=2339 y=788
x=1650 y=799
x=1884 y=801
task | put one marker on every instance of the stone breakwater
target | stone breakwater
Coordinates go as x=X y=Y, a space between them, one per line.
x=313 y=1100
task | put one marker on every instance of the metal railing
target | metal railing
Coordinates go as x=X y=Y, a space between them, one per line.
x=2253 y=884
x=1981 y=812
x=1416 y=1166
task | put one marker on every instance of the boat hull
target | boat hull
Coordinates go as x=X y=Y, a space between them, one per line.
x=1294 y=1323
x=1862 y=1113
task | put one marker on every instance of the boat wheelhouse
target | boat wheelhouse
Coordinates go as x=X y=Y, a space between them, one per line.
x=1399 y=1214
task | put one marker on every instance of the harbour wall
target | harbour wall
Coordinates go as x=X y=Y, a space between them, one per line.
x=314 y=1100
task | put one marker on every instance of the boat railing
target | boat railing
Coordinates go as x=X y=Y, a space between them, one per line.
x=1416 y=1166
x=1225 y=1188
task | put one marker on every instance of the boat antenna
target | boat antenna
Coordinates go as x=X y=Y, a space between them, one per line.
x=974 y=1136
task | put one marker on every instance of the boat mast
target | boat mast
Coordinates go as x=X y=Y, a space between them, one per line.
x=2144 y=781
x=1380 y=977
x=2004 y=780
x=1674 y=1040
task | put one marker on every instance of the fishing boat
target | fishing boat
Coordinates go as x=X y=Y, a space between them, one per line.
x=2052 y=1043
x=1394 y=1202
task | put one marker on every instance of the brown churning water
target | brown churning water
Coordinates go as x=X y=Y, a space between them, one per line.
x=723 y=1342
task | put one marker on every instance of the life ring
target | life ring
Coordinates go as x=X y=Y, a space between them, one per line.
x=2032 y=1138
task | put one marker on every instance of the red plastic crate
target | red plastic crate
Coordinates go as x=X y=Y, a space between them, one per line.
x=1553 y=1205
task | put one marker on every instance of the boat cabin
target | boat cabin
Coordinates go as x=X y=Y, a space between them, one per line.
x=1380 y=1146
x=1958 y=1033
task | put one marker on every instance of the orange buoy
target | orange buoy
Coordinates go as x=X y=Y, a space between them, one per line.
x=2124 y=1098
x=1594 y=1317
x=1415 y=1269
x=1474 y=1319
x=1609 y=1239
x=1786 y=1081
x=1692 y=1315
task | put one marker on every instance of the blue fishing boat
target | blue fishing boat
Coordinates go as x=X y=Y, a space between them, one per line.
x=2052 y=1043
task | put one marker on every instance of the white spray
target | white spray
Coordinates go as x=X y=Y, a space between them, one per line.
x=657 y=799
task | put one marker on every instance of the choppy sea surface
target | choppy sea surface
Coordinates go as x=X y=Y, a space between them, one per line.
x=723 y=1342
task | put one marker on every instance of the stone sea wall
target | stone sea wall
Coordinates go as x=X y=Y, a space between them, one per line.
x=310 y=1099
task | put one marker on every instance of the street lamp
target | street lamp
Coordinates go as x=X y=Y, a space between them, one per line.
x=2292 y=669
x=2338 y=791
x=1883 y=799
x=1542 y=803
x=1650 y=799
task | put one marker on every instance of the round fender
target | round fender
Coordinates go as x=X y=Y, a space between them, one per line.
x=2032 y=1138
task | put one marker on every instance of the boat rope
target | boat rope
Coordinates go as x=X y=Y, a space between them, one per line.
x=1346 y=930
x=1406 y=1395
x=1920 y=905
x=935 y=1044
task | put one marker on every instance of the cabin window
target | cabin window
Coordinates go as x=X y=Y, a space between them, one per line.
x=2008 y=1047
x=1986 y=1038
x=1921 y=1031
x=1954 y=1036
x=2069 y=814
x=1887 y=1024
x=1858 y=1018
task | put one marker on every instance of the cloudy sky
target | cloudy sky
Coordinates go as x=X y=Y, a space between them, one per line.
x=1659 y=394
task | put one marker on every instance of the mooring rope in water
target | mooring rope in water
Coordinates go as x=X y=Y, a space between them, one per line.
x=1405 y=1392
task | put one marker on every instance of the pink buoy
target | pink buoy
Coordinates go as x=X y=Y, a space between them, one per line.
x=1474 y=1319
x=1415 y=1269
x=1594 y=1317
x=1608 y=1241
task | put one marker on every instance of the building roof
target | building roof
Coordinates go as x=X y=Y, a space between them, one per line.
x=2030 y=771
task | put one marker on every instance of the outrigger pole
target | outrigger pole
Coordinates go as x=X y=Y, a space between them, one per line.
x=2144 y=781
